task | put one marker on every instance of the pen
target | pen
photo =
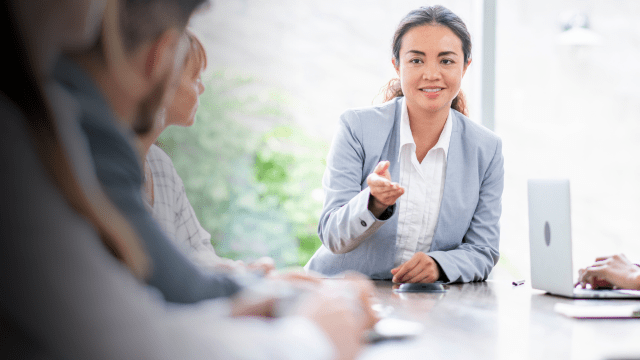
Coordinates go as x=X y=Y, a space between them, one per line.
x=518 y=282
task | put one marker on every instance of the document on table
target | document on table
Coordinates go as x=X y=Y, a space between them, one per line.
x=598 y=311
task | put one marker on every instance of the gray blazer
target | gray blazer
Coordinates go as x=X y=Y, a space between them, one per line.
x=465 y=242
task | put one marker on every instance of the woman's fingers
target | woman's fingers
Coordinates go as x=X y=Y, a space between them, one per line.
x=405 y=268
x=381 y=168
x=376 y=180
x=425 y=271
x=386 y=195
x=382 y=189
x=417 y=273
x=392 y=194
x=425 y=276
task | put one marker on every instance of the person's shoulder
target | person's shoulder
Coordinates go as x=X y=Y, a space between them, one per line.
x=474 y=131
x=160 y=163
x=156 y=153
x=379 y=114
x=383 y=110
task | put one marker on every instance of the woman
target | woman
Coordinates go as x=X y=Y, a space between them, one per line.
x=166 y=196
x=439 y=219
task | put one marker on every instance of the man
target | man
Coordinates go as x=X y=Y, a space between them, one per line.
x=62 y=294
x=134 y=81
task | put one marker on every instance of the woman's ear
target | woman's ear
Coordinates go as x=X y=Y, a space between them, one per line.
x=464 y=69
x=395 y=66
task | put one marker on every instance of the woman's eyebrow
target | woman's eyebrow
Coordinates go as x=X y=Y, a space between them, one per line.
x=442 y=53
x=445 y=53
x=415 y=52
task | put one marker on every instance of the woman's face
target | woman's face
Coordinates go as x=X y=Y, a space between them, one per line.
x=431 y=66
x=182 y=110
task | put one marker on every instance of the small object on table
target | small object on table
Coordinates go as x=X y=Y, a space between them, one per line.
x=419 y=287
x=394 y=329
x=598 y=311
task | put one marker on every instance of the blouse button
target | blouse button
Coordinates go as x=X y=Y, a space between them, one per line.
x=363 y=223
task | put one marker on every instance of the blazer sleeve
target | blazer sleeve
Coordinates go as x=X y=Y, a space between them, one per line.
x=478 y=253
x=345 y=221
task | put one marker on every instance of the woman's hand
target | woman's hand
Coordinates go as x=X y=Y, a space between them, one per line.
x=614 y=270
x=421 y=268
x=384 y=193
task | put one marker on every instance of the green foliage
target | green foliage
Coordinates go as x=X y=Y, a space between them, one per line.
x=289 y=165
x=251 y=189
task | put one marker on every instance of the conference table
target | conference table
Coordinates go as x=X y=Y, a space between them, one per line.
x=497 y=320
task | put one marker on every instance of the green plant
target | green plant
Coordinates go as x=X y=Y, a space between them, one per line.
x=251 y=189
x=288 y=166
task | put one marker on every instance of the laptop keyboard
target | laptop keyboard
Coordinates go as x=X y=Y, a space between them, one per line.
x=606 y=293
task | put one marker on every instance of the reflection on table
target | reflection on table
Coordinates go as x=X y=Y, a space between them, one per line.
x=496 y=320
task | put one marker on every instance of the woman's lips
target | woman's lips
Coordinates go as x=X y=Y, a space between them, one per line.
x=432 y=93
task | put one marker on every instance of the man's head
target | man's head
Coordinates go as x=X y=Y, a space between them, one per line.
x=141 y=54
x=50 y=26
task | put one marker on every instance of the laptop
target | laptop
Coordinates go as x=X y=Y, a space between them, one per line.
x=550 y=243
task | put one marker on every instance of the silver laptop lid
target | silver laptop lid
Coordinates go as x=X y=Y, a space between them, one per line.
x=550 y=236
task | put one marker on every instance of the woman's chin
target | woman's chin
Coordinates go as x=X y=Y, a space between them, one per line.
x=187 y=122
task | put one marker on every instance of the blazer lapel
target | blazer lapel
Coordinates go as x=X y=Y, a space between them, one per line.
x=393 y=147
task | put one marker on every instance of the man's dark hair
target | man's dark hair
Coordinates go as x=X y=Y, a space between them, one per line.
x=143 y=20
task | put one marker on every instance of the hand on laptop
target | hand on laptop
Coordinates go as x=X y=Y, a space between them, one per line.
x=610 y=271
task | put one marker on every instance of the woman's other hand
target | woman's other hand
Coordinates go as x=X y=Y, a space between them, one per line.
x=421 y=268
x=614 y=270
x=384 y=193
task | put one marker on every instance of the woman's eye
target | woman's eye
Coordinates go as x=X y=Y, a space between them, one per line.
x=415 y=61
x=447 y=61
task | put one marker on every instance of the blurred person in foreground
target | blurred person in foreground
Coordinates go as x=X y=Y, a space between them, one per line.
x=164 y=190
x=120 y=84
x=610 y=271
x=63 y=292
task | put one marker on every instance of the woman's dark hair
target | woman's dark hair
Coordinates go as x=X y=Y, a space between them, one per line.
x=430 y=15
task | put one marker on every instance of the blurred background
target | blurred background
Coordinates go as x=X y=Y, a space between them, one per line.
x=281 y=72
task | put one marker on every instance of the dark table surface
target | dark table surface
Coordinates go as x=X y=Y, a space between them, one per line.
x=496 y=320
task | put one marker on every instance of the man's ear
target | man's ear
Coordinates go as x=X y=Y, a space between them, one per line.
x=161 y=55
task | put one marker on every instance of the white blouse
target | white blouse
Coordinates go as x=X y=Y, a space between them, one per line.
x=419 y=206
x=174 y=213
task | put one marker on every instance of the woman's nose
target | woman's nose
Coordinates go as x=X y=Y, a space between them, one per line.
x=431 y=72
